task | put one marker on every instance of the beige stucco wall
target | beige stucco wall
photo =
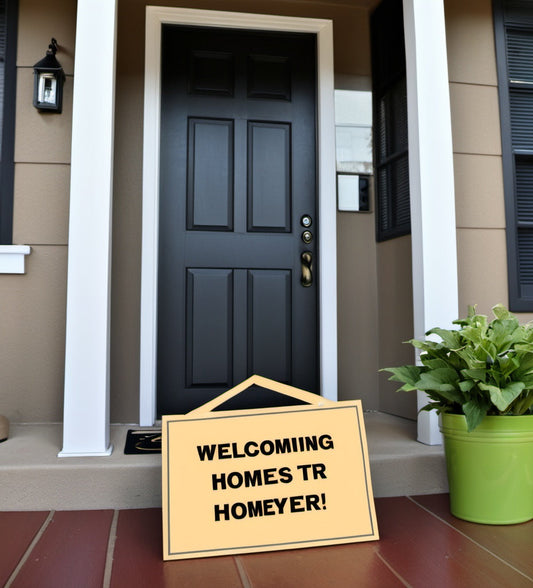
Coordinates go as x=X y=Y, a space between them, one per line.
x=482 y=261
x=479 y=197
x=395 y=294
x=33 y=305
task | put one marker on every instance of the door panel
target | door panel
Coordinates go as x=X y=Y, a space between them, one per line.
x=237 y=174
x=269 y=185
x=210 y=195
x=269 y=76
x=209 y=303
x=270 y=319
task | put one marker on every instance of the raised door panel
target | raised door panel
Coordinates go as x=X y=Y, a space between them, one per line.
x=269 y=177
x=269 y=324
x=210 y=195
x=209 y=319
x=211 y=72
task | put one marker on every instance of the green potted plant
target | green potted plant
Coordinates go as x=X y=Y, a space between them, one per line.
x=479 y=378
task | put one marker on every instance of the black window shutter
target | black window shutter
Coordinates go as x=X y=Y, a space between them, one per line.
x=514 y=51
x=389 y=93
x=8 y=76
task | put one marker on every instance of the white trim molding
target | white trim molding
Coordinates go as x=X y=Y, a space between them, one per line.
x=86 y=407
x=155 y=18
x=433 y=229
x=12 y=258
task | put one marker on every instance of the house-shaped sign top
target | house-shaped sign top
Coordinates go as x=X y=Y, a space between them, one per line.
x=262 y=479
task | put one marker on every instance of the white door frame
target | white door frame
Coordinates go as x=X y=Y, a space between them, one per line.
x=327 y=258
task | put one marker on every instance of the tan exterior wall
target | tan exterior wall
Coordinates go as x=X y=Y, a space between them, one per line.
x=482 y=261
x=395 y=295
x=32 y=337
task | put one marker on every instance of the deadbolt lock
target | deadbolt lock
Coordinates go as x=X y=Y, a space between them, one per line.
x=307 y=237
x=306 y=221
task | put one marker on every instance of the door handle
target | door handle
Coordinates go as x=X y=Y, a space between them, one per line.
x=307 y=274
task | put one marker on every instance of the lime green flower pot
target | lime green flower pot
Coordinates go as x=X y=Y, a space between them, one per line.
x=490 y=470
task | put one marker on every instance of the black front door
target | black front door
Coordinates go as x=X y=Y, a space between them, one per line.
x=237 y=275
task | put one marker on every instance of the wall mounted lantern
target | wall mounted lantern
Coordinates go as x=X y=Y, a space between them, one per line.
x=48 y=78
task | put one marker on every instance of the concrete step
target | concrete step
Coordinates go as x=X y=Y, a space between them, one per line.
x=32 y=477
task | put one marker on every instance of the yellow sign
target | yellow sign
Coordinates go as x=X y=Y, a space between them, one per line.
x=265 y=479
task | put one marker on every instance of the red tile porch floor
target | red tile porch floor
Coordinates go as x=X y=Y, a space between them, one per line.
x=421 y=545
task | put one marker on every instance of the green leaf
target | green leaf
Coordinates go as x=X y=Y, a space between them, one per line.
x=451 y=339
x=475 y=412
x=504 y=366
x=441 y=385
x=502 y=397
x=466 y=385
x=427 y=346
x=525 y=364
x=434 y=364
x=527 y=380
x=438 y=406
x=457 y=362
x=475 y=373
x=407 y=374
x=523 y=347
x=441 y=379
x=475 y=335
x=502 y=333
x=523 y=404
x=486 y=352
x=472 y=318
x=469 y=357
x=446 y=397
x=501 y=312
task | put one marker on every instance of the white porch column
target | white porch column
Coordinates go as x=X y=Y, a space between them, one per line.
x=86 y=410
x=435 y=290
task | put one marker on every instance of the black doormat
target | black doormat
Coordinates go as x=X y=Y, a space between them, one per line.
x=139 y=441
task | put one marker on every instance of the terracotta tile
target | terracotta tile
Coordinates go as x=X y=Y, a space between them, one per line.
x=513 y=543
x=71 y=552
x=138 y=549
x=416 y=548
x=215 y=572
x=17 y=530
x=138 y=558
x=427 y=552
x=354 y=564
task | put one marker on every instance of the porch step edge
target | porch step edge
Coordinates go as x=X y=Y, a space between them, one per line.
x=32 y=477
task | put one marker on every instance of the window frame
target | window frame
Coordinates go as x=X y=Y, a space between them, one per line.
x=385 y=81
x=518 y=301
x=7 y=164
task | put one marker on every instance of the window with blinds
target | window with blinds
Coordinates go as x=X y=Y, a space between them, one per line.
x=390 y=121
x=514 y=50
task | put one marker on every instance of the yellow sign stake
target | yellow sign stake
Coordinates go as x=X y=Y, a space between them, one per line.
x=265 y=479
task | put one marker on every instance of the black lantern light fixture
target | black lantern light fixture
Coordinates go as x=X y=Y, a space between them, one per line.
x=48 y=78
